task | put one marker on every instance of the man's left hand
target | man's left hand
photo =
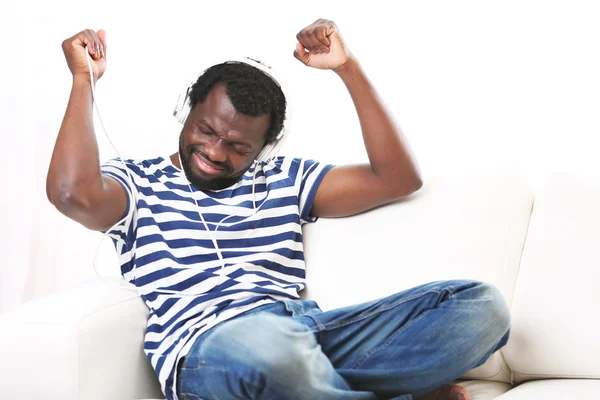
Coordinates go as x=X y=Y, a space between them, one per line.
x=326 y=48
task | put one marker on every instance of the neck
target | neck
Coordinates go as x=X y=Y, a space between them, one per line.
x=176 y=160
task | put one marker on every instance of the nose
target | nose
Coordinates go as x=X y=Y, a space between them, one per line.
x=216 y=151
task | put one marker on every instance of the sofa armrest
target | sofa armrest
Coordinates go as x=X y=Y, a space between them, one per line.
x=79 y=344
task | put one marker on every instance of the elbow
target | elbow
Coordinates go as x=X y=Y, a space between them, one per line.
x=61 y=199
x=407 y=186
x=54 y=193
x=57 y=192
x=66 y=199
x=415 y=184
x=418 y=184
x=58 y=195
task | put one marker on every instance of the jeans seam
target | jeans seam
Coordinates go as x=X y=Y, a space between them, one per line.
x=201 y=356
x=385 y=344
x=318 y=325
x=451 y=290
x=201 y=351
x=378 y=311
x=189 y=395
x=197 y=371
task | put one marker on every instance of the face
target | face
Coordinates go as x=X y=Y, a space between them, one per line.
x=218 y=144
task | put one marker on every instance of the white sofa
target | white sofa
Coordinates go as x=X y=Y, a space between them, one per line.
x=541 y=250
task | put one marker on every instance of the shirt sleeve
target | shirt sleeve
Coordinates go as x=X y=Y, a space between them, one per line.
x=310 y=174
x=123 y=231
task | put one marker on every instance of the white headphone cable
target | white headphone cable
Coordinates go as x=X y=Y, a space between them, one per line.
x=133 y=203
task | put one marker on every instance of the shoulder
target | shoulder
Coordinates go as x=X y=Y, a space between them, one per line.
x=290 y=166
x=142 y=167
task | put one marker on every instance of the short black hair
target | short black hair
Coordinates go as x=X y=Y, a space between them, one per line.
x=251 y=91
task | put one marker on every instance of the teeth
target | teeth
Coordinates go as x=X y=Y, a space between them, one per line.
x=207 y=165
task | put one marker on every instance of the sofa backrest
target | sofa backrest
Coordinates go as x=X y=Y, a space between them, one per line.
x=455 y=227
x=556 y=329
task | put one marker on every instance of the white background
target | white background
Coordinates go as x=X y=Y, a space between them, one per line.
x=475 y=85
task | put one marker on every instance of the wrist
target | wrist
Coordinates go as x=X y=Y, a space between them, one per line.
x=347 y=68
x=82 y=78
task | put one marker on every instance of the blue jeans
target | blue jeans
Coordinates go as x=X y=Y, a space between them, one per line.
x=398 y=347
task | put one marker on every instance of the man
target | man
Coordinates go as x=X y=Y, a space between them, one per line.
x=212 y=240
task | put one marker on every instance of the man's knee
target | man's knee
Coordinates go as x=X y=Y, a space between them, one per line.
x=491 y=319
x=262 y=343
x=261 y=355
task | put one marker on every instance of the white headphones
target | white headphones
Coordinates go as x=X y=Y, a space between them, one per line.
x=182 y=108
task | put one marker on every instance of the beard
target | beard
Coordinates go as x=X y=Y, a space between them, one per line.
x=199 y=182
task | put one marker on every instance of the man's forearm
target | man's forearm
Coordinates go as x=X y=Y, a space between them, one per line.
x=75 y=166
x=389 y=155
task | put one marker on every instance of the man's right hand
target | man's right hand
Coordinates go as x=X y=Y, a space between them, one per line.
x=75 y=53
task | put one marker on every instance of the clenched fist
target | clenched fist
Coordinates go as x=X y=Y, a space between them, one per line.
x=326 y=48
x=76 y=47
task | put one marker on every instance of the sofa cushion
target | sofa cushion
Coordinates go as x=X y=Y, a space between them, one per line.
x=485 y=390
x=555 y=328
x=555 y=389
x=480 y=390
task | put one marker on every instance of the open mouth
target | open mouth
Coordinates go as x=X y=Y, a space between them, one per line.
x=206 y=166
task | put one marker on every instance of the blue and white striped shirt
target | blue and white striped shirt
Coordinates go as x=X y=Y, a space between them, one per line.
x=163 y=246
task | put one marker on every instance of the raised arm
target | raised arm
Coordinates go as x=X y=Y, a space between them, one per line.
x=391 y=172
x=75 y=185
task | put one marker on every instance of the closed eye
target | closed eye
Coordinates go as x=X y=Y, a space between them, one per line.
x=207 y=133
x=240 y=148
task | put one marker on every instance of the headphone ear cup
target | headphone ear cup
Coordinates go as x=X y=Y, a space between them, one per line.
x=270 y=150
x=261 y=156
x=182 y=108
x=181 y=115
